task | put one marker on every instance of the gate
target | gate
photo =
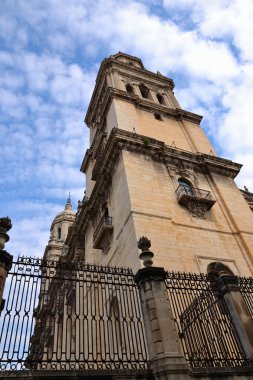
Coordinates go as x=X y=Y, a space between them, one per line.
x=71 y=316
x=203 y=322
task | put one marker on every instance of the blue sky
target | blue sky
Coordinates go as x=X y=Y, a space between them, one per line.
x=50 y=52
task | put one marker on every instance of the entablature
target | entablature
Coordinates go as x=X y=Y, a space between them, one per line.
x=86 y=160
x=141 y=103
x=125 y=140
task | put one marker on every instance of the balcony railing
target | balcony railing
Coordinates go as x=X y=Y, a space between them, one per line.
x=198 y=201
x=102 y=231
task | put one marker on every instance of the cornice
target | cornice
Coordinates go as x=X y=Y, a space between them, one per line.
x=144 y=104
x=151 y=106
x=181 y=114
x=218 y=165
x=137 y=73
x=125 y=140
x=247 y=195
x=86 y=160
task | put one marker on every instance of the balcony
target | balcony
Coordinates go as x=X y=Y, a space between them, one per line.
x=102 y=234
x=197 y=201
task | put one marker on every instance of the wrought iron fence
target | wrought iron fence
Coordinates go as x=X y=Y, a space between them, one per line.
x=62 y=315
x=71 y=316
x=246 y=288
x=203 y=322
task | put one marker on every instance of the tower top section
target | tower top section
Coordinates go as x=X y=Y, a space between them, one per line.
x=59 y=230
x=128 y=59
x=114 y=74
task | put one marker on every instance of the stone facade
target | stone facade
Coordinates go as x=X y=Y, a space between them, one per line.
x=142 y=145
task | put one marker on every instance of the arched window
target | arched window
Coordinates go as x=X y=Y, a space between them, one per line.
x=59 y=233
x=129 y=88
x=160 y=98
x=144 y=91
x=186 y=186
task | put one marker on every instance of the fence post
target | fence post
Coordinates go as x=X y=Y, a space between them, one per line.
x=241 y=319
x=5 y=257
x=167 y=360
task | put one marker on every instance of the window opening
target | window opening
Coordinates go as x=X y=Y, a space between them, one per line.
x=157 y=116
x=129 y=88
x=59 y=233
x=186 y=186
x=160 y=99
x=144 y=91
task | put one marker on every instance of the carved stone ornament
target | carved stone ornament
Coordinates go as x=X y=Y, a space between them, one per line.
x=5 y=224
x=144 y=243
x=146 y=255
x=197 y=209
x=198 y=201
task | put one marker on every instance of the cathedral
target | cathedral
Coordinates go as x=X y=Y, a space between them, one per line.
x=110 y=306
x=150 y=170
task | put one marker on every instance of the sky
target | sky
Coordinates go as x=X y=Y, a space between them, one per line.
x=50 y=52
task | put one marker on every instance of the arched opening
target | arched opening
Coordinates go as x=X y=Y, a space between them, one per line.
x=116 y=343
x=59 y=233
x=144 y=91
x=160 y=98
x=129 y=88
x=186 y=186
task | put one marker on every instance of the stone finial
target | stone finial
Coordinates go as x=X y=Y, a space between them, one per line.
x=5 y=224
x=146 y=255
x=246 y=189
x=144 y=243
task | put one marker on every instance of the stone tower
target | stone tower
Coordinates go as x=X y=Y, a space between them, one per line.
x=150 y=170
x=59 y=232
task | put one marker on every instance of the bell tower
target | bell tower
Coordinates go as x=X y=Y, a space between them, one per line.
x=150 y=170
x=59 y=231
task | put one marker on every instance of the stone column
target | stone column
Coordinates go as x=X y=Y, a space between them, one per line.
x=5 y=257
x=167 y=360
x=236 y=306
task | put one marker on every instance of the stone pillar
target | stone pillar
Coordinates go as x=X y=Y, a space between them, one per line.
x=5 y=257
x=167 y=360
x=236 y=306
